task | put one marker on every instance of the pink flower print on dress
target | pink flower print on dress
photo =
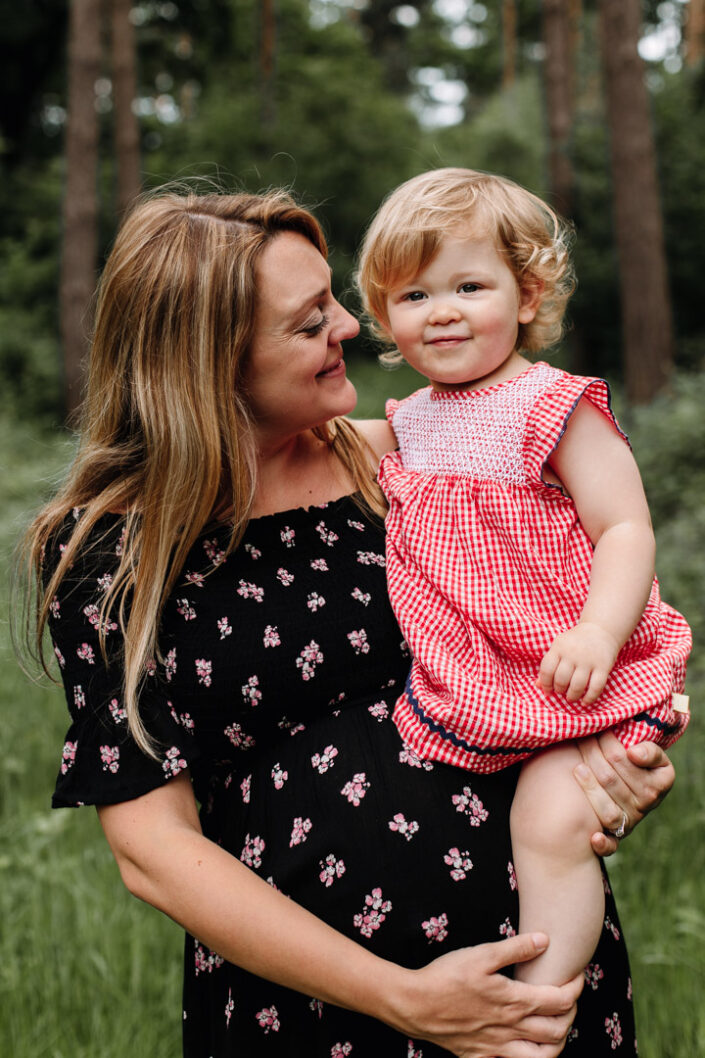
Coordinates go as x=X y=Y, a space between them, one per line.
x=268 y=1019
x=251 y=692
x=253 y=552
x=110 y=756
x=319 y=564
x=459 y=863
x=404 y=648
x=317 y=1007
x=435 y=928
x=120 y=546
x=407 y=828
x=279 y=776
x=331 y=868
x=250 y=591
x=373 y=913
x=341 y=1050
x=253 y=848
x=170 y=664
x=105 y=582
x=327 y=535
x=325 y=760
x=229 y=1007
x=614 y=930
x=150 y=668
x=315 y=602
x=213 y=552
x=79 y=698
x=204 y=669
x=358 y=641
x=288 y=536
x=409 y=756
x=238 y=737
x=105 y=627
x=205 y=960
x=184 y=607
x=245 y=788
x=55 y=608
x=371 y=558
x=299 y=831
x=512 y=876
x=60 y=657
x=173 y=763
x=412 y=1052
x=196 y=579
x=85 y=653
x=68 y=756
x=117 y=711
x=470 y=804
x=629 y=989
x=224 y=627
x=380 y=711
x=356 y=788
x=271 y=636
x=356 y=525
x=573 y=1035
x=307 y=660
x=361 y=596
x=606 y=886
x=507 y=929
x=613 y=1028
x=285 y=577
x=593 y=975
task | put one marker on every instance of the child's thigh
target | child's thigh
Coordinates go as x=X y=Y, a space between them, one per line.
x=550 y=811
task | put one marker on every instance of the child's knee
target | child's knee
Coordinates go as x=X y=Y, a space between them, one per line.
x=550 y=813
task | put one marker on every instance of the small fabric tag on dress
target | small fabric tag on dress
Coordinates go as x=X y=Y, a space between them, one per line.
x=680 y=703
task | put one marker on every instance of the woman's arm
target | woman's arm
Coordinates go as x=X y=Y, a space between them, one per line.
x=622 y=782
x=459 y=1001
x=598 y=471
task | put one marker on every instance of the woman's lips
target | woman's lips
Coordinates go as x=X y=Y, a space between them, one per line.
x=335 y=369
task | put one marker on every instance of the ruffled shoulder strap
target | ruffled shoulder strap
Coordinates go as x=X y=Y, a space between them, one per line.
x=550 y=415
x=390 y=409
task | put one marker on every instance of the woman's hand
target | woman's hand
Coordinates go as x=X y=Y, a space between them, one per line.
x=622 y=785
x=461 y=1002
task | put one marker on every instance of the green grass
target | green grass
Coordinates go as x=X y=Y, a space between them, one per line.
x=86 y=970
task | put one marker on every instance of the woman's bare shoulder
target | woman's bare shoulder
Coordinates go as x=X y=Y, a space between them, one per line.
x=378 y=434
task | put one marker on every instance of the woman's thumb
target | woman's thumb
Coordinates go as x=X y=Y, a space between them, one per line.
x=521 y=948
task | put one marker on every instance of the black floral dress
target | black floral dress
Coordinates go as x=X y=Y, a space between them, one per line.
x=279 y=670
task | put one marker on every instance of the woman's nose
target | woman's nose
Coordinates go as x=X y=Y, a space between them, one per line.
x=345 y=326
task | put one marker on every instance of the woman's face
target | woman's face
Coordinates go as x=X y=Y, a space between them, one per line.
x=295 y=374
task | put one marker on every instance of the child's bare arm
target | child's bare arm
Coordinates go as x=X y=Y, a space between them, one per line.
x=598 y=471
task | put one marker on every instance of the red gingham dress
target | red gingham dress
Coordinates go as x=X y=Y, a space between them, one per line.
x=487 y=563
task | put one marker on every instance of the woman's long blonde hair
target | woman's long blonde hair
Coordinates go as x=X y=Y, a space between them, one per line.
x=166 y=436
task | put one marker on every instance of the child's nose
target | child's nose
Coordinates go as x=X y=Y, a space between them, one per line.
x=443 y=311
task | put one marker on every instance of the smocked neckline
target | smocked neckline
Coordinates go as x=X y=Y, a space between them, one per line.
x=468 y=394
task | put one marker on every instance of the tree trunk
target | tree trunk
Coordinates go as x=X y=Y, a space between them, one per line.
x=509 y=43
x=695 y=33
x=559 y=34
x=127 y=136
x=647 y=323
x=80 y=208
x=267 y=56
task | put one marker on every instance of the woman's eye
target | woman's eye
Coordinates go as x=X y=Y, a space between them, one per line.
x=316 y=328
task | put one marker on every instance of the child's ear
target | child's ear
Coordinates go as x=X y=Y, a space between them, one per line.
x=530 y=295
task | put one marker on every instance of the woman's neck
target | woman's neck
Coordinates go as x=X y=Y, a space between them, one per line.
x=300 y=472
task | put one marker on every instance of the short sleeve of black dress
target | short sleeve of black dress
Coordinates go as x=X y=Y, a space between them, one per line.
x=101 y=763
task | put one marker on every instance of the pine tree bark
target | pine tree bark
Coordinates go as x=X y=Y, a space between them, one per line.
x=80 y=206
x=127 y=136
x=647 y=320
x=695 y=33
x=559 y=34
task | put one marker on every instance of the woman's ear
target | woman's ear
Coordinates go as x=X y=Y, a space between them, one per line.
x=530 y=295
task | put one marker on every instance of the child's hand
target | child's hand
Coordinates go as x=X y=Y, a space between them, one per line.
x=579 y=663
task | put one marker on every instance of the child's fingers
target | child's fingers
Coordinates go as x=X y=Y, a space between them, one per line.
x=578 y=684
x=547 y=669
x=563 y=675
x=595 y=687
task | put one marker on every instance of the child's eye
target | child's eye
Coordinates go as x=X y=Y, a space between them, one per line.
x=414 y=295
x=468 y=288
x=317 y=327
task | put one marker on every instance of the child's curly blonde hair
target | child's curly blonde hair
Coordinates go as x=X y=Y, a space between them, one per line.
x=406 y=233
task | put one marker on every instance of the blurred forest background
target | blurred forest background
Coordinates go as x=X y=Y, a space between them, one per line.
x=598 y=105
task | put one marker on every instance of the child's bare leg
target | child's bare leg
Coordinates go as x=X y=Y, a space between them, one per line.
x=558 y=874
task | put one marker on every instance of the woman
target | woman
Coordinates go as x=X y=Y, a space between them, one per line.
x=212 y=573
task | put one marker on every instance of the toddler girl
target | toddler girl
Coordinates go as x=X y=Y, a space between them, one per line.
x=519 y=546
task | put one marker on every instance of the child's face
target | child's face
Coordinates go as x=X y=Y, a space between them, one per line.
x=456 y=322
